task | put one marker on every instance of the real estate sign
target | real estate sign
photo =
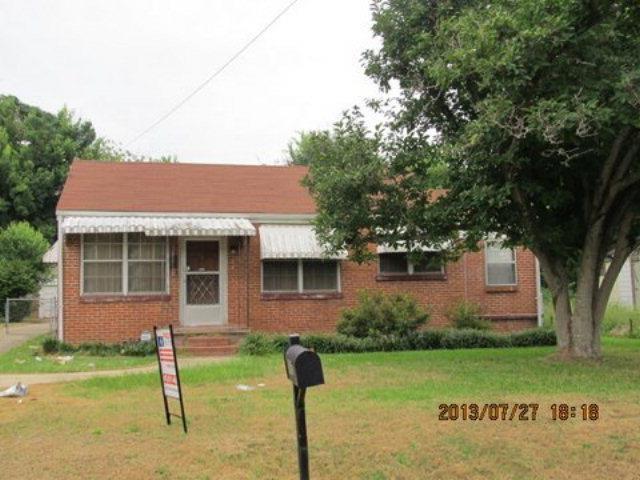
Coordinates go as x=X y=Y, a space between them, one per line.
x=169 y=373
x=167 y=358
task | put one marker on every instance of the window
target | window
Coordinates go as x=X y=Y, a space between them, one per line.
x=280 y=276
x=300 y=276
x=399 y=264
x=319 y=275
x=102 y=263
x=147 y=263
x=123 y=263
x=500 y=265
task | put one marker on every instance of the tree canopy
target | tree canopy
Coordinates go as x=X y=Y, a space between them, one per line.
x=36 y=150
x=21 y=267
x=533 y=108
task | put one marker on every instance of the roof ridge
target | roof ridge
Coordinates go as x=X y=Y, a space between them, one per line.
x=186 y=164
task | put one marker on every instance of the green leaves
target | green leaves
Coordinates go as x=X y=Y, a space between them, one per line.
x=21 y=267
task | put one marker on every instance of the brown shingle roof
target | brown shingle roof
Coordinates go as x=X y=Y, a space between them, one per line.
x=185 y=188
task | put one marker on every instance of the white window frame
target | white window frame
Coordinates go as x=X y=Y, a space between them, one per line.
x=489 y=244
x=410 y=267
x=300 y=289
x=125 y=270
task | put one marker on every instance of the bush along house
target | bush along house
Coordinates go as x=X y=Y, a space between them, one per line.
x=221 y=250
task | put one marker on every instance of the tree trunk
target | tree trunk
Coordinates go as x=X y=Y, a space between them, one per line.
x=577 y=332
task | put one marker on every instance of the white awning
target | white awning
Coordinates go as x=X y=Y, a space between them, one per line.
x=291 y=241
x=160 y=226
x=401 y=249
x=51 y=255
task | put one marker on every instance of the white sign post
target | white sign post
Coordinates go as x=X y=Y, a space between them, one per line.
x=169 y=373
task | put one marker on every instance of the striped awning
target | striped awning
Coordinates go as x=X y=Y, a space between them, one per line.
x=160 y=225
x=403 y=249
x=291 y=241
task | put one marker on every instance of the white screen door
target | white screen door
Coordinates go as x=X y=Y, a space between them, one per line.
x=204 y=278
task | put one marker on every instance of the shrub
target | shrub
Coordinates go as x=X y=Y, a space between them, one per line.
x=378 y=314
x=257 y=344
x=467 y=315
x=536 y=337
x=427 y=340
x=21 y=267
x=262 y=344
x=50 y=345
x=138 y=349
x=472 y=338
x=130 y=349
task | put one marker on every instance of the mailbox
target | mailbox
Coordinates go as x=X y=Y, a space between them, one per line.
x=303 y=367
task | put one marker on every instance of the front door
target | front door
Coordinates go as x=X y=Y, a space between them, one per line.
x=204 y=278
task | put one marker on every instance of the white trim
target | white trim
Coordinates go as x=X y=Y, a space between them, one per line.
x=60 y=282
x=223 y=269
x=287 y=218
x=300 y=265
x=486 y=266
x=539 y=299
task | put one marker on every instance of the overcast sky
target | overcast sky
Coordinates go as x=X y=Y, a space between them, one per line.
x=123 y=64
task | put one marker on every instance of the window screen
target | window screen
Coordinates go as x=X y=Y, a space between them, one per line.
x=501 y=265
x=320 y=275
x=393 y=263
x=147 y=263
x=280 y=276
x=102 y=263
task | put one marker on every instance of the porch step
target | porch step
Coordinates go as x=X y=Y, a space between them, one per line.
x=217 y=351
x=210 y=340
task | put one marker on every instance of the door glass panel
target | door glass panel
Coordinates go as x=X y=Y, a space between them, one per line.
x=203 y=256
x=203 y=289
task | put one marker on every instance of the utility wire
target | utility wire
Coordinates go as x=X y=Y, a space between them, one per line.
x=195 y=91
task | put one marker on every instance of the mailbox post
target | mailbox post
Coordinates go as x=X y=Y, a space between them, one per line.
x=304 y=369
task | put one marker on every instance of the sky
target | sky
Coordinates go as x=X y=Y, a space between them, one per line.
x=123 y=64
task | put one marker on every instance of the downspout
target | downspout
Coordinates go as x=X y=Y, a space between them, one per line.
x=539 y=302
x=61 y=240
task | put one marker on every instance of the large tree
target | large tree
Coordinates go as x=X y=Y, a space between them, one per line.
x=36 y=150
x=534 y=108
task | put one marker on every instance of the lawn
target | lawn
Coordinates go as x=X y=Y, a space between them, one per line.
x=28 y=358
x=376 y=418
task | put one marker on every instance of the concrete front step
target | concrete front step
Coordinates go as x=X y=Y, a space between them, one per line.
x=209 y=340
x=215 y=351
x=202 y=341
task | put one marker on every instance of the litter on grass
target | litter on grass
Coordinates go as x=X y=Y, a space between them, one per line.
x=64 y=359
x=244 y=388
x=17 y=390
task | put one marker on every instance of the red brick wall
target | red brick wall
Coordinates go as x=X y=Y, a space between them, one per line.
x=111 y=318
x=118 y=318
x=510 y=309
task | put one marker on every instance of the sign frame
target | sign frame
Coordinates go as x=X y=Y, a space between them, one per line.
x=170 y=363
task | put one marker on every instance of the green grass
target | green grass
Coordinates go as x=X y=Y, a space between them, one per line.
x=375 y=418
x=24 y=359
x=428 y=375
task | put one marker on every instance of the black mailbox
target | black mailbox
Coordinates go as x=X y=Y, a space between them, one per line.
x=303 y=367
x=304 y=370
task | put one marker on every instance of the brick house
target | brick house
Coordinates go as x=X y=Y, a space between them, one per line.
x=229 y=248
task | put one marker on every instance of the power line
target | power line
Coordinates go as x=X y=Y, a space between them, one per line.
x=195 y=91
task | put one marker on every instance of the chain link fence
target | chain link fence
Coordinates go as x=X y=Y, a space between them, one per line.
x=31 y=310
